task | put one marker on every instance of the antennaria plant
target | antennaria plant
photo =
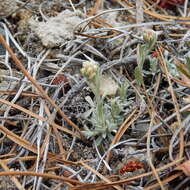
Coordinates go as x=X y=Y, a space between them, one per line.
x=143 y=50
x=107 y=111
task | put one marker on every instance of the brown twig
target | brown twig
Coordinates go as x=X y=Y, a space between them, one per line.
x=38 y=87
x=101 y=185
x=43 y=175
x=176 y=105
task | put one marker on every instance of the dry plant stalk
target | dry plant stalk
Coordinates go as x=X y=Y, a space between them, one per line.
x=176 y=105
x=38 y=87
x=13 y=178
x=44 y=175
x=102 y=185
x=38 y=117
x=128 y=121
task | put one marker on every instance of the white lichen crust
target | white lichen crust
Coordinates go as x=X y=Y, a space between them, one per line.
x=57 y=30
x=7 y=6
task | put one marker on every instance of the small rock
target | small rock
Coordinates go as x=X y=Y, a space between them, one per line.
x=56 y=30
x=7 y=7
x=108 y=87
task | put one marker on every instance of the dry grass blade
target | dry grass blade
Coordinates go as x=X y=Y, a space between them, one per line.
x=150 y=156
x=58 y=136
x=43 y=175
x=52 y=158
x=18 y=140
x=100 y=176
x=166 y=17
x=101 y=185
x=176 y=105
x=13 y=178
x=38 y=117
x=28 y=94
x=27 y=145
x=25 y=158
x=38 y=87
x=128 y=121
x=165 y=181
x=95 y=8
x=57 y=131
x=125 y=125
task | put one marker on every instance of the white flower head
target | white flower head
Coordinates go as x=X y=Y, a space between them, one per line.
x=150 y=37
x=89 y=69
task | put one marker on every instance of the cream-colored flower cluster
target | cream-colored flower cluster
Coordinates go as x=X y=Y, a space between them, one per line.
x=150 y=37
x=89 y=69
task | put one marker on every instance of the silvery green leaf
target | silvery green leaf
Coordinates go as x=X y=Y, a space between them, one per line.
x=172 y=68
x=93 y=120
x=88 y=133
x=110 y=136
x=101 y=114
x=188 y=63
x=113 y=127
x=99 y=129
x=110 y=123
x=104 y=135
x=99 y=140
x=87 y=113
x=138 y=76
x=140 y=55
x=90 y=101
x=153 y=65
x=152 y=43
x=123 y=91
x=115 y=108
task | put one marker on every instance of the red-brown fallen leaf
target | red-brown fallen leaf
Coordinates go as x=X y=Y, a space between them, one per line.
x=169 y=4
x=59 y=79
x=131 y=166
x=185 y=167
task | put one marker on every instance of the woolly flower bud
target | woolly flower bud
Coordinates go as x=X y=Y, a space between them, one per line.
x=150 y=37
x=89 y=69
